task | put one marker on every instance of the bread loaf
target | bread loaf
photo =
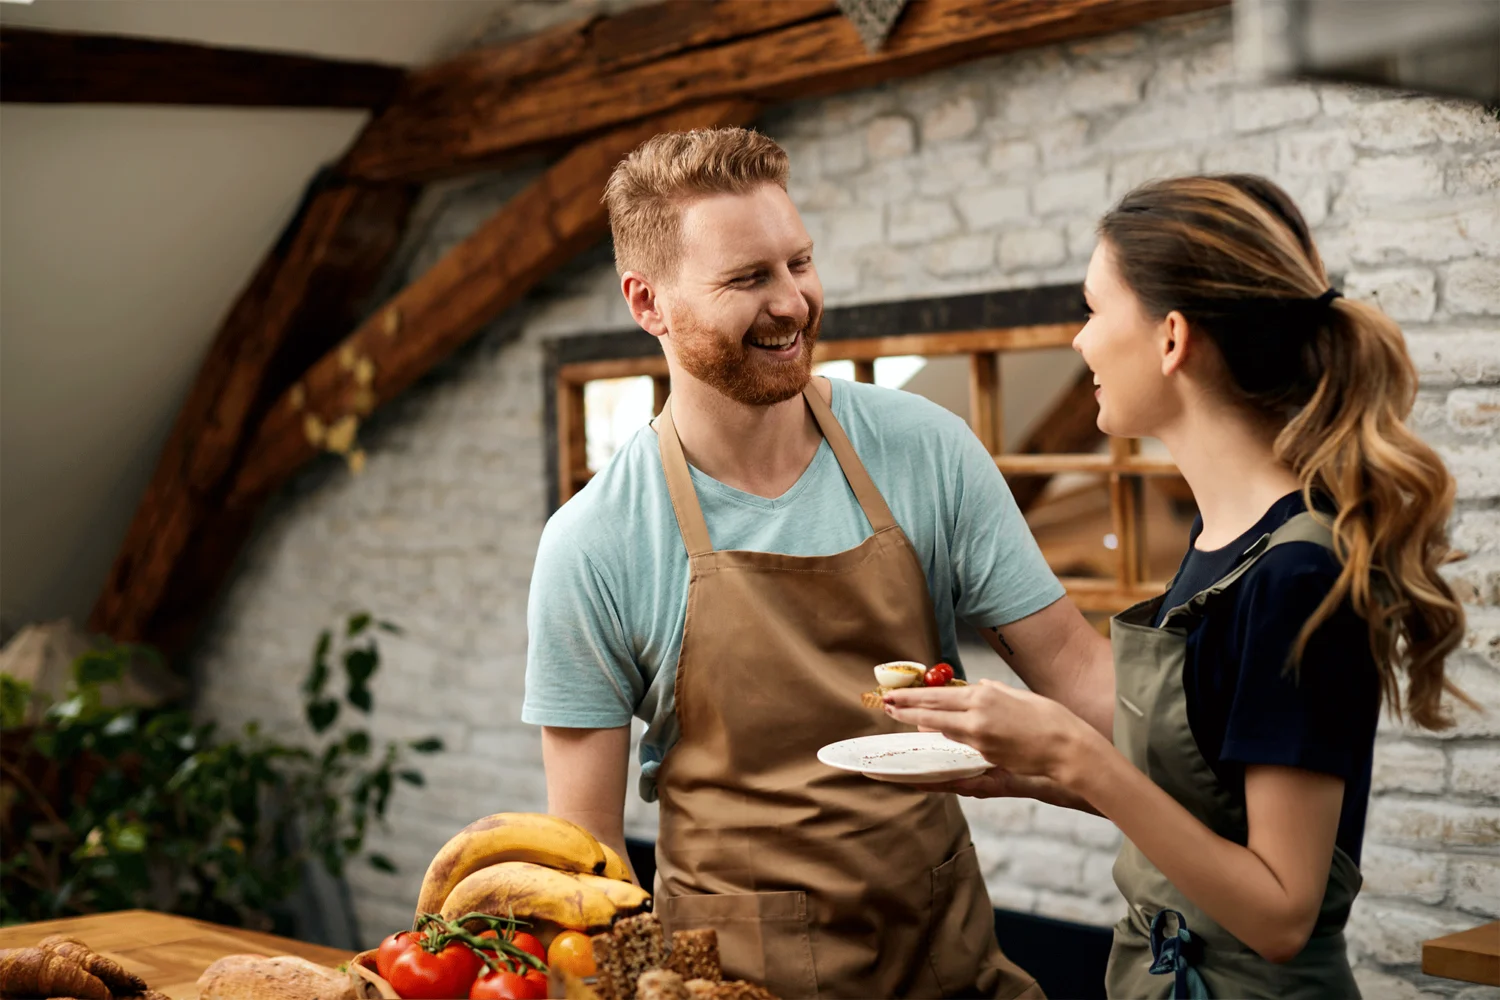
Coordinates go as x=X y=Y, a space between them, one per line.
x=255 y=977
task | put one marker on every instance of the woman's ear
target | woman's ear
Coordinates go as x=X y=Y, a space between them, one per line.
x=1175 y=341
x=644 y=304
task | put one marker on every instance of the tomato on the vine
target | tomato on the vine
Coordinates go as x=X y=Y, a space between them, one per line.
x=505 y=985
x=938 y=675
x=418 y=974
x=529 y=943
x=392 y=947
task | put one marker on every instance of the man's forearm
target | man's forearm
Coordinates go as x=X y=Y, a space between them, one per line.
x=607 y=829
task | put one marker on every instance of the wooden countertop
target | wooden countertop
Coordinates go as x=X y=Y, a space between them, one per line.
x=1472 y=955
x=169 y=952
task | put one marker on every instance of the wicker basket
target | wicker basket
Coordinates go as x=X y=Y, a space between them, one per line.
x=368 y=984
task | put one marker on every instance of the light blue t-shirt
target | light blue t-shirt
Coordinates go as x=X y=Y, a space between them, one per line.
x=609 y=589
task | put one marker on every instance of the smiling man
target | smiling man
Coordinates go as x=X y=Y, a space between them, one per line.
x=734 y=574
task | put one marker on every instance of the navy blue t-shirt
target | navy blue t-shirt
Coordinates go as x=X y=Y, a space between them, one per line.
x=1244 y=707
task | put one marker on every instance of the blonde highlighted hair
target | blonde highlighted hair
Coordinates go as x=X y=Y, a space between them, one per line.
x=646 y=193
x=1234 y=256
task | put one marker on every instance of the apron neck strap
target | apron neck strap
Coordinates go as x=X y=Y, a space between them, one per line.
x=870 y=501
x=685 y=499
x=1304 y=527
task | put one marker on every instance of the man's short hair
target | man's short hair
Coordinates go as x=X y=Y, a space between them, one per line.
x=649 y=188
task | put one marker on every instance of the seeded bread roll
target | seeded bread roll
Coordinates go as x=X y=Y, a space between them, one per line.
x=660 y=984
x=695 y=955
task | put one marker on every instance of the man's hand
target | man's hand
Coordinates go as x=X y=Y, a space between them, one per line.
x=586 y=771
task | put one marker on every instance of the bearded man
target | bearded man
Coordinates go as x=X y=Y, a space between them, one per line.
x=732 y=576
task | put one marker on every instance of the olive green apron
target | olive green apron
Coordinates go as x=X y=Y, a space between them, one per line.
x=1166 y=946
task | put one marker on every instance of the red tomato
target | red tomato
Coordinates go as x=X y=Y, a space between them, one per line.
x=938 y=675
x=418 y=974
x=504 y=985
x=390 y=948
x=529 y=943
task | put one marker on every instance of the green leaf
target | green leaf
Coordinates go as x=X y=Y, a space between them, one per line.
x=430 y=745
x=321 y=714
x=357 y=742
x=358 y=623
x=100 y=666
x=390 y=627
x=130 y=839
x=413 y=778
x=360 y=665
x=361 y=698
x=318 y=676
x=382 y=863
x=14 y=696
x=121 y=725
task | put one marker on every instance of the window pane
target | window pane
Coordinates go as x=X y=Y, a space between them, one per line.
x=894 y=372
x=614 y=409
x=835 y=369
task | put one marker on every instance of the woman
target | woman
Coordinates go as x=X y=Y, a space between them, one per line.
x=1248 y=694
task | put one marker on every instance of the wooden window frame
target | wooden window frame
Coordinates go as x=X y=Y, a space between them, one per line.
x=888 y=330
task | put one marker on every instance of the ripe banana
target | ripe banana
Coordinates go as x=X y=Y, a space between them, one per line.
x=629 y=898
x=534 y=837
x=614 y=866
x=532 y=892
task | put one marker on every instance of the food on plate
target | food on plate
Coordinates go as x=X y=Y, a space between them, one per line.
x=37 y=972
x=110 y=972
x=899 y=674
x=695 y=954
x=661 y=984
x=285 y=977
x=535 y=838
x=532 y=892
x=910 y=675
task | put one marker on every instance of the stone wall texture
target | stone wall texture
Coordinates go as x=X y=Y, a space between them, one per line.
x=983 y=177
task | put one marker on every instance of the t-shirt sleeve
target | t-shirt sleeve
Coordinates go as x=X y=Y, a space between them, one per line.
x=1321 y=715
x=580 y=672
x=999 y=573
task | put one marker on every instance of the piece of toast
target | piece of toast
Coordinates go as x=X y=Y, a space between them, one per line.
x=875 y=700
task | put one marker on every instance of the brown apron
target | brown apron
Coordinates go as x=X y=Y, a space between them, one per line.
x=819 y=883
x=1152 y=956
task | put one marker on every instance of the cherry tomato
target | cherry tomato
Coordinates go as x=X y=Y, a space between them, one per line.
x=529 y=943
x=572 y=951
x=504 y=985
x=418 y=974
x=538 y=981
x=390 y=948
x=938 y=675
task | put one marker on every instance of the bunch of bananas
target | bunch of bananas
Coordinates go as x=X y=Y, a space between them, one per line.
x=534 y=867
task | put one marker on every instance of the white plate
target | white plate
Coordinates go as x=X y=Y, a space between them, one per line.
x=905 y=758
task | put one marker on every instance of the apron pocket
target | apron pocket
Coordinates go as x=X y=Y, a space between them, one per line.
x=763 y=936
x=961 y=929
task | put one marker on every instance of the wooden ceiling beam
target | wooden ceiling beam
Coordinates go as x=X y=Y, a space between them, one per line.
x=55 y=67
x=311 y=284
x=541 y=228
x=491 y=105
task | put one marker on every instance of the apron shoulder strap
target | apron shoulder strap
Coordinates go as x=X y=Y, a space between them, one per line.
x=1304 y=527
x=680 y=486
x=877 y=512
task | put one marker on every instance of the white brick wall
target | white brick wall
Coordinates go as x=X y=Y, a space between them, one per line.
x=983 y=177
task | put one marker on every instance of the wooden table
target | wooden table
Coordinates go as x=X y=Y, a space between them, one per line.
x=1472 y=956
x=169 y=952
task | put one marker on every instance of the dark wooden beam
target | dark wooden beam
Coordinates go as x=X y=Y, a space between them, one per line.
x=1070 y=426
x=306 y=291
x=540 y=229
x=483 y=108
x=54 y=67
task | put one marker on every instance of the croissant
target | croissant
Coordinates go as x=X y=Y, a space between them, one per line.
x=35 y=972
x=106 y=969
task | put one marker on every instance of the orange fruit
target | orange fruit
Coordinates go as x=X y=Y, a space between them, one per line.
x=573 y=952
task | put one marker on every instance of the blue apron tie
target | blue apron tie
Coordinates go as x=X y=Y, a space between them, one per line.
x=1175 y=956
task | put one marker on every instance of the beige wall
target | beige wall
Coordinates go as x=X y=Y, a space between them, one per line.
x=125 y=234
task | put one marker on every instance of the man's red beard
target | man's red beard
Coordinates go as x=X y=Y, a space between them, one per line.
x=731 y=366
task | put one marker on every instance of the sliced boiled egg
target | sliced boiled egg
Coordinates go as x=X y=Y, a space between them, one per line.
x=899 y=674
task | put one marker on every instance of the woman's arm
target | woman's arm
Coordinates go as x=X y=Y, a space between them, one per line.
x=1266 y=893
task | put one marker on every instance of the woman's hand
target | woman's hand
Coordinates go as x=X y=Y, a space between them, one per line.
x=1017 y=731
